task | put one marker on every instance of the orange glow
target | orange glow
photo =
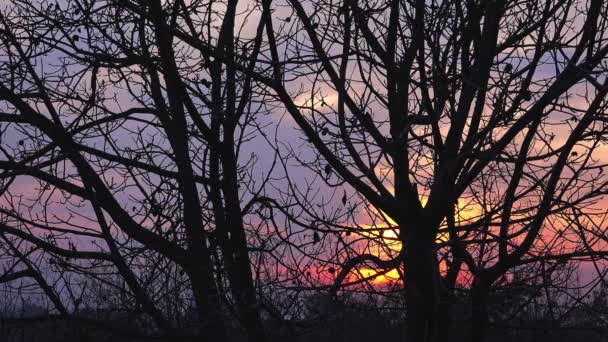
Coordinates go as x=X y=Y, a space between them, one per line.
x=377 y=277
x=387 y=237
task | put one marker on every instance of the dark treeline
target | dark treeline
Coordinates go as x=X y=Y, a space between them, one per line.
x=314 y=170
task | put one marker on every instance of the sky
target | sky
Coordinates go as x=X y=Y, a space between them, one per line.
x=291 y=140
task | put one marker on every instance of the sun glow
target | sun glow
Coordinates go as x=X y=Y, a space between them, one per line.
x=377 y=277
x=388 y=243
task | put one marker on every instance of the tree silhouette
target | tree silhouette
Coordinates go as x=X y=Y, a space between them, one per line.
x=444 y=107
x=248 y=162
x=130 y=140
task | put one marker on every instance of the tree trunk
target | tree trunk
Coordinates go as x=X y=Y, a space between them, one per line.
x=479 y=320
x=447 y=296
x=444 y=319
x=210 y=318
x=242 y=283
x=243 y=287
x=422 y=289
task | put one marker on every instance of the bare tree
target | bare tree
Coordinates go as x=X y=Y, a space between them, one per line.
x=475 y=126
x=122 y=154
x=441 y=145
